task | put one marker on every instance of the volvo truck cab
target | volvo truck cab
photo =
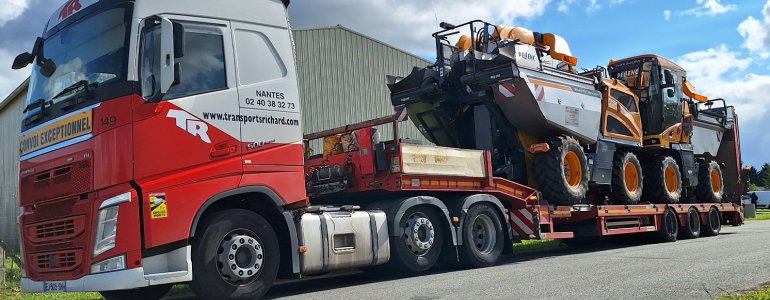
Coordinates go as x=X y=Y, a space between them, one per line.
x=141 y=116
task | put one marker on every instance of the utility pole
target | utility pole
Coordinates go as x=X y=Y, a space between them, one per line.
x=2 y=265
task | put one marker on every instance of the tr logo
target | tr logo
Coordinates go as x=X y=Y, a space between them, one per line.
x=191 y=124
x=69 y=8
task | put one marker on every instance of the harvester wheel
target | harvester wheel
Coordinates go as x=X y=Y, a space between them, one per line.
x=627 y=183
x=663 y=180
x=562 y=172
x=692 y=225
x=419 y=246
x=713 y=224
x=710 y=182
x=483 y=238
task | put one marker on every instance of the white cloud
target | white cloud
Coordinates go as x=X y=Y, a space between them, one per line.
x=564 y=5
x=667 y=14
x=12 y=9
x=722 y=73
x=709 y=8
x=409 y=24
x=756 y=33
x=593 y=6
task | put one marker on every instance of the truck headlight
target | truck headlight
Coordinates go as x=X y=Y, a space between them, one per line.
x=108 y=265
x=107 y=224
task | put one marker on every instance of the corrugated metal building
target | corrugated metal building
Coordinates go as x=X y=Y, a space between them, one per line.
x=342 y=81
x=10 y=125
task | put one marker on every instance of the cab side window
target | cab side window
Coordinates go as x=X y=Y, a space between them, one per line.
x=625 y=99
x=203 y=64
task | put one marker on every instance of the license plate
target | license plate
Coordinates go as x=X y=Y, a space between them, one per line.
x=55 y=286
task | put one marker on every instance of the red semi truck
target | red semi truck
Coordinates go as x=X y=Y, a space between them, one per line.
x=162 y=144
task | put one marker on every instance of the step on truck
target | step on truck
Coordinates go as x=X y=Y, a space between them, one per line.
x=162 y=144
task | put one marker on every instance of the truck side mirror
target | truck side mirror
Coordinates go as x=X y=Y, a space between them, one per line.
x=668 y=77
x=670 y=93
x=159 y=52
x=23 y=60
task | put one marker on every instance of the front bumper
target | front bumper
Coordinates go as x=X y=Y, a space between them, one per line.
x=111 y=281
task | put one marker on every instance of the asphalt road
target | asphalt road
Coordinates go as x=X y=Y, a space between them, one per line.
x=737 y=260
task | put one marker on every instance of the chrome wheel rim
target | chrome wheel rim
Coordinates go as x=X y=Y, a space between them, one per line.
x=419 y=233
x=240 y=257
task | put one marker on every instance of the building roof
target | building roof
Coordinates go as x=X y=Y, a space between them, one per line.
x=14 y=94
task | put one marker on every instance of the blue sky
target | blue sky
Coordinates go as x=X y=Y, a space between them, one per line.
x=724 y=44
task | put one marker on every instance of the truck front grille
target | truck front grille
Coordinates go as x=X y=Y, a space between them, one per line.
x=56 y=230
x=66 y=260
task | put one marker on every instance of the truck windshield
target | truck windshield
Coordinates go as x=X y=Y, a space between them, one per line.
x=87 y=54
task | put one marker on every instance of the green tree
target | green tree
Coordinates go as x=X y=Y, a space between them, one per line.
x=753 y=175
x=764 y=176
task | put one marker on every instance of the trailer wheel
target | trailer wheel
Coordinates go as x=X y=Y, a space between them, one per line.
x=235 y=257
x=483 y=238
x=627 y=179
x=562 y=172
x=669 y=229
x=154 y=292
x=419 y=246
x=714 y=224
x=663 y=180
x=710 y=182
x=692 y=227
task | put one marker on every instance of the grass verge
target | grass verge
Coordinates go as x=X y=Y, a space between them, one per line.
x=529 y=246
x=763 y=294
x=762 y=215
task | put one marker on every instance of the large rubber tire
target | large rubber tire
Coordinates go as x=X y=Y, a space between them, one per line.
x=483 y=237
x=210 y=279
x=669 y=229
x=149 y=293
x=711 y=187
x=662 y=180
x=415 y=251
x=692 y=225
x=627 y=179
x=713 y=226
x=562 y=172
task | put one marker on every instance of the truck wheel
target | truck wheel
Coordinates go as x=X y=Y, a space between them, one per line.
x=562 y=172
x=154 y=292
x=419 y=246
x=692 y=227
x=236 y=256
x=663 y=180
x=483 y=238
x=710 y=182
x=669 y=227
x=714 y=224
x=627 y=180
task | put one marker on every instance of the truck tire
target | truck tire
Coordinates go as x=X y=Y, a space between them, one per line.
x=710 y=182
x=419 y=247
x=713 y=226
x=483 y=237
x=663 y=180
x=236 y=256
x=692 y=225
x=627 y=179
x=562 y=172
x=669 y=227
x=154 y=292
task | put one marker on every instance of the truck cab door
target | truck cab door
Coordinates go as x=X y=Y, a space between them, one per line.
x=186 y=135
